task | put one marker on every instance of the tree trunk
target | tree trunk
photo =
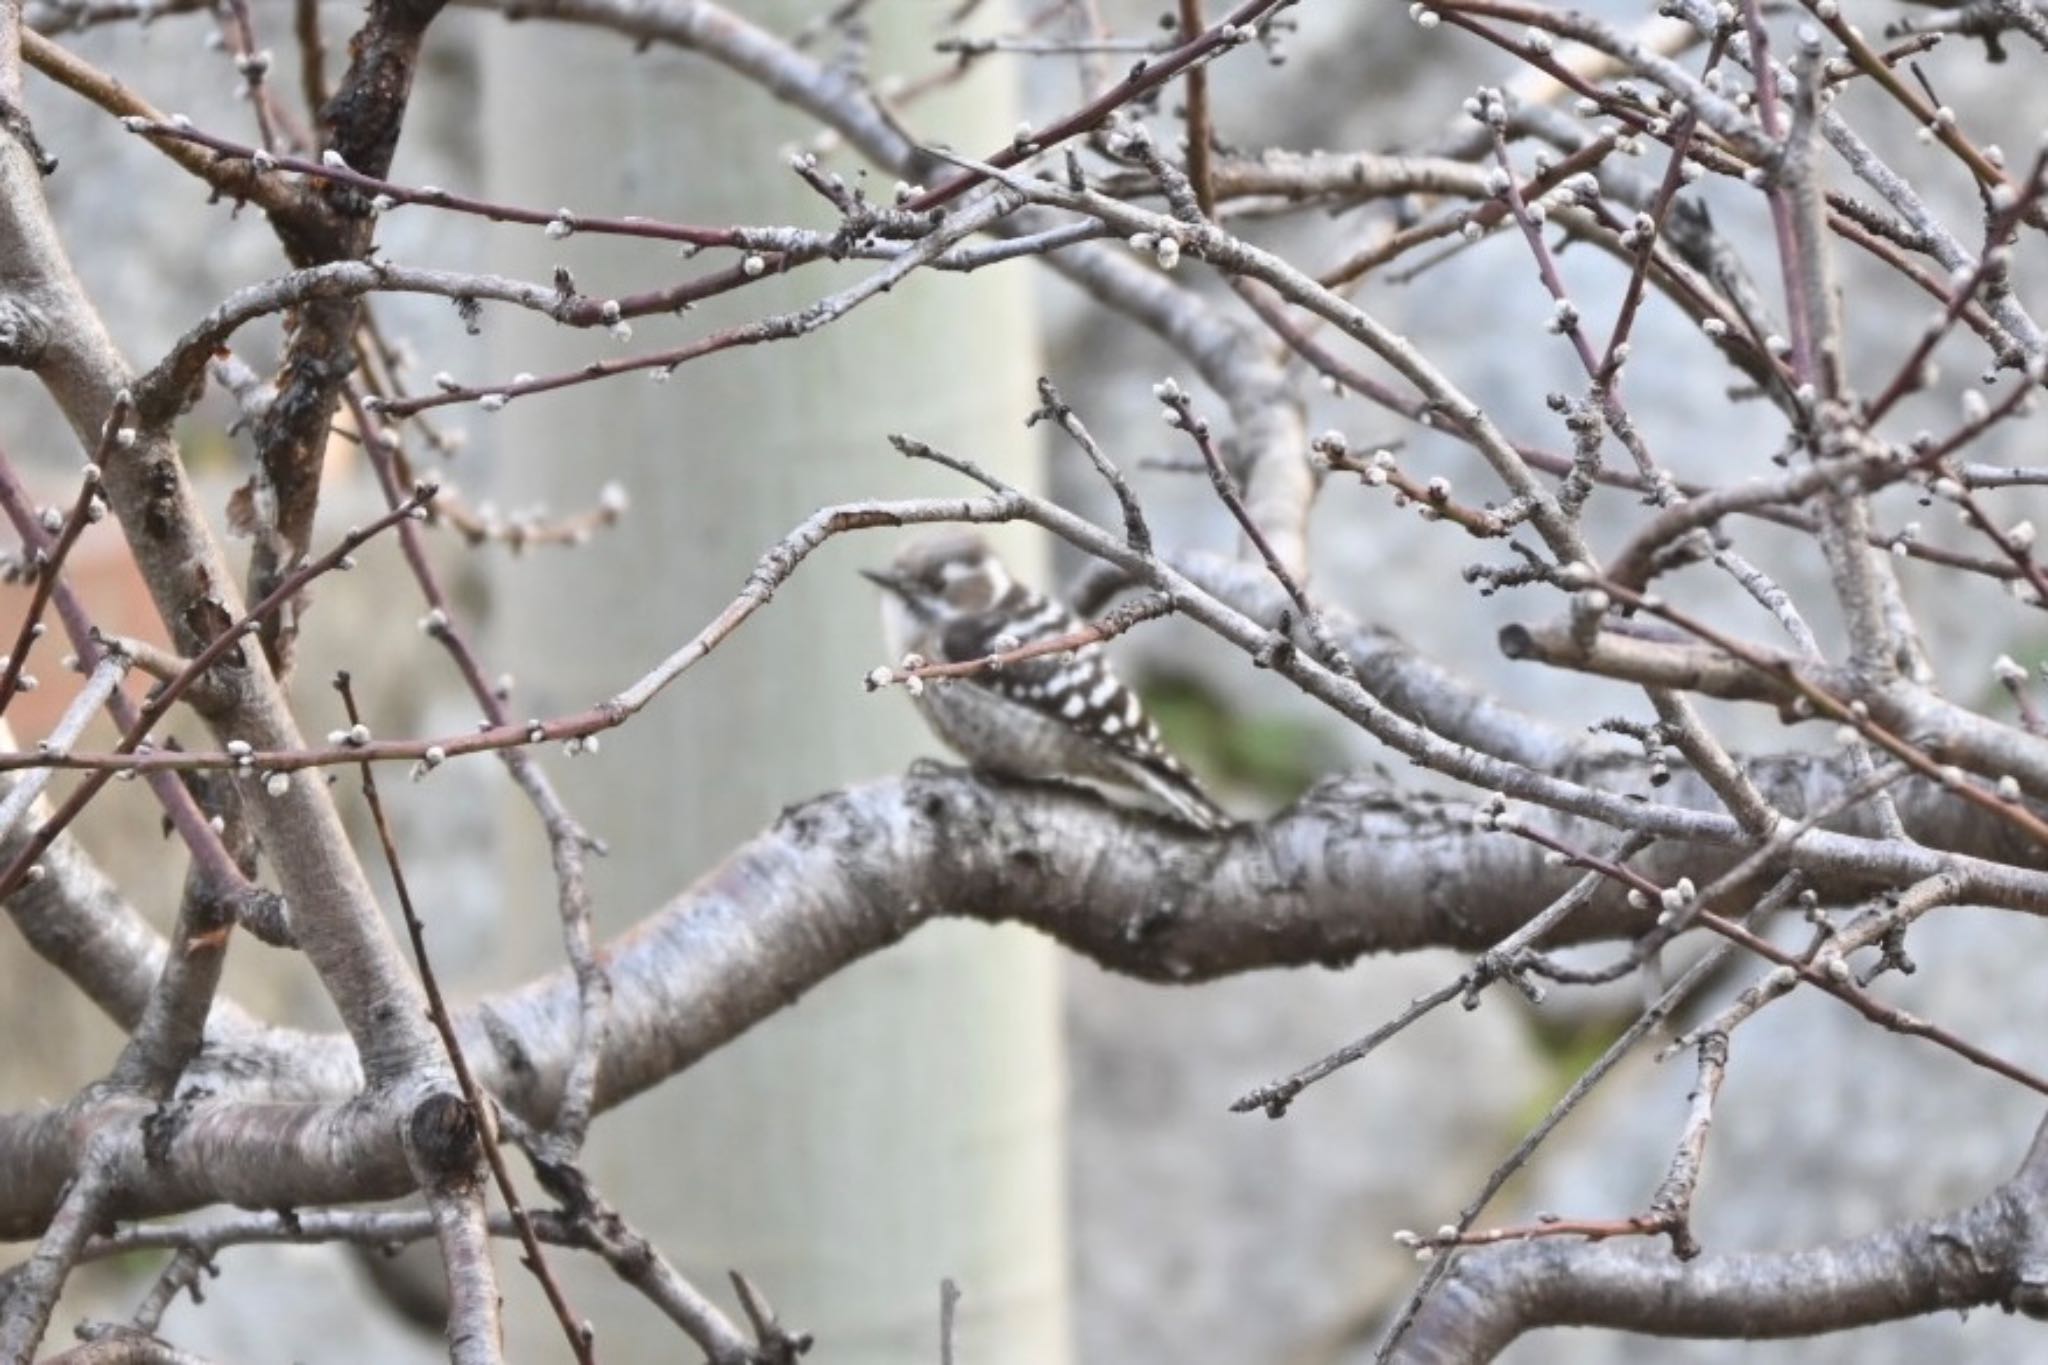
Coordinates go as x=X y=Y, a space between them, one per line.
x=904 y=1123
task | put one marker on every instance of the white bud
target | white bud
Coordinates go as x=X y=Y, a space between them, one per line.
x=277 y=784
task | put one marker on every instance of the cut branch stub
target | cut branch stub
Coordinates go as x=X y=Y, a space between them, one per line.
x=446 y=1139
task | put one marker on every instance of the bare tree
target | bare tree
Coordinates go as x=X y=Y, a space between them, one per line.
x=1806 y=870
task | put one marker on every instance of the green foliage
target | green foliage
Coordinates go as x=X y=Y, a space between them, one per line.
x=206 y=447
x=1569 y=1042
x=1267 y=755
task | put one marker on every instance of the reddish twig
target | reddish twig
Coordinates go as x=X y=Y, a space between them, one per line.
x=1990 y=262
x=161 y=702
x=84 y=511
x=1199 y=132
x=1145 y=76
x=576 y=1330
x=194 y=830
x=1139 y=609
x=562 y=221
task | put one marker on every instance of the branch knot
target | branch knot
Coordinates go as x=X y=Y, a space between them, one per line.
x=24 y=334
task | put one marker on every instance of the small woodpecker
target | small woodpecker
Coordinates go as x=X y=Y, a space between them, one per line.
x=949 y=599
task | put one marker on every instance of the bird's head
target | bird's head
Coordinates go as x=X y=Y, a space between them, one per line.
x=943 y=576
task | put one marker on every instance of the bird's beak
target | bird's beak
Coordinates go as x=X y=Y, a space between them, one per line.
x=903 y=589
x=882 y=578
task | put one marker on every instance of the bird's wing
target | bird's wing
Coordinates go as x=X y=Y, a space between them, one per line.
x=1079 y=689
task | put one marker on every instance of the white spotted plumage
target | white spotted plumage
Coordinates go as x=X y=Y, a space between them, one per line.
x=1066 y=715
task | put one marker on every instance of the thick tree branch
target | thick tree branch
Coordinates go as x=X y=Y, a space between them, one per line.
x=1345 y=873
x=1986 y=1254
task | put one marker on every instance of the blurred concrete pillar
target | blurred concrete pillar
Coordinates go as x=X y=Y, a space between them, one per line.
x=904 y=1122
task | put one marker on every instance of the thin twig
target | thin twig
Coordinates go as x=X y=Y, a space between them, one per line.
x=165 y=698
x=84 y=511
x=1199 y=131
x=1646 y=1023
x=575 y=1330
